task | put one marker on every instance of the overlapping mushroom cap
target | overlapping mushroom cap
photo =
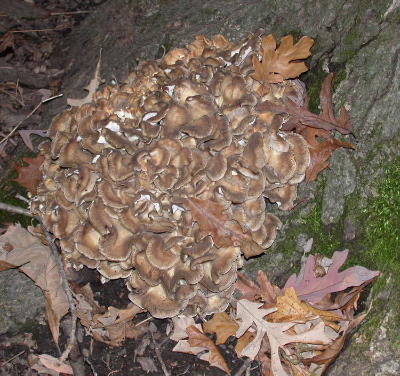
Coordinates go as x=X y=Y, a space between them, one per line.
x=163 y=180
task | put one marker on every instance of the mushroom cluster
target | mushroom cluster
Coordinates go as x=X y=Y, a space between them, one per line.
x=163 y=180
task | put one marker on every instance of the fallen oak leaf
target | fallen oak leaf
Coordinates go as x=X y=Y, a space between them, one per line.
x=250 y=312
x=281 y=63
x=26 y=133
x=222 y=325
x=312 y=289
x=291 y=308
x=198 y=342
x=30 y=176
x=36 y=261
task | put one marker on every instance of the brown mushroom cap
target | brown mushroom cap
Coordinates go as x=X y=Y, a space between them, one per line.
x=120 y=171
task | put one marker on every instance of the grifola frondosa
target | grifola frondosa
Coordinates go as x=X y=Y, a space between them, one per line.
x=163 y=180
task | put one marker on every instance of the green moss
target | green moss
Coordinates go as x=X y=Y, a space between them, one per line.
x=165 y=46
x=153 y=19
x=326 y=239
x=380 y=234
x=313 y=80
x=8 y=190
x=379 y=248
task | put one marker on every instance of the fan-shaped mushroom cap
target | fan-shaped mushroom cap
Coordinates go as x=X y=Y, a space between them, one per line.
x=162 y=180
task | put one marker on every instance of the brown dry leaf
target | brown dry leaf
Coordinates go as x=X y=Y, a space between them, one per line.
x=222 y=325
x=343 y=121
x=198 y=342
x=91 y=88
x=265 y=291
x=37 y=262
x=7 y=40
x=243 y=341
x=281 y=63
x=250 y=312
x=290 y=308
x=312 y=289
x=30 y=176
x=321 y=151
x=213 y=221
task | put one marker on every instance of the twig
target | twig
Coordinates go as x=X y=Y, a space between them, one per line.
x=22 y=198
x=28 y=116
x=40 y=30
x=15 y=209
x=12 y=358
x=68 y=13
x=243 y=368
x=158 y=354
x=143 y=321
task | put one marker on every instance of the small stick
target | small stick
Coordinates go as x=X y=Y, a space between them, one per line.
x=143 y=321
x=15 y=209
x=68 y=13
x=22 y=198
x=158 y=354
x=14 y=357
x=40 y=30
x=27 y=117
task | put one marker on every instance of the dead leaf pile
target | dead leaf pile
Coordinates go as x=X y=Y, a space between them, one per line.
x=112 y=325
x=298 y=330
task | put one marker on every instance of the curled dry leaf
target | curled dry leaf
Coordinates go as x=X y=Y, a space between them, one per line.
x=36 y=261
x=198 y=342
x=312 y=289
x=30 y=176
x=281 y=63
x=265 y=291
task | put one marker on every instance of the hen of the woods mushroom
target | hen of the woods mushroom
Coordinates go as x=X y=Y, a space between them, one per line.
x=163 y=180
